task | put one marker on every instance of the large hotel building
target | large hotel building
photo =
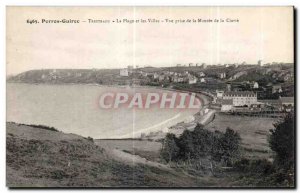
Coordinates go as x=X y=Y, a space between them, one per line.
x=241 y=98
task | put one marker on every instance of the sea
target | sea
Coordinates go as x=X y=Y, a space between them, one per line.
x=74 y=108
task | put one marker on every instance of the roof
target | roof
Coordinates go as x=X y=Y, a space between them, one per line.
x=286 y=99
x=239 y=93
x=275 y=101
x=227 y=102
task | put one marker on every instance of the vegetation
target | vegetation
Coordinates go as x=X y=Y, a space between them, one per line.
x=227 y=147
x=170 y=149
x=282 y=142
x=89 y=138
x=211 y=86
x=262 y=173
x=41 y=127
x=193 y=145
x=281 y=171
x=224 y=149
x=262 y=79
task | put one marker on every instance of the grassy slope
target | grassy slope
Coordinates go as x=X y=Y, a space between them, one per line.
x=42 y=158
x=254 y=132
x=146 y=149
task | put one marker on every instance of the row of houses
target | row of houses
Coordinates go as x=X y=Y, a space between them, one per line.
x=230 y=100
x=164 y=76
x=58 y=74
x=176 y=77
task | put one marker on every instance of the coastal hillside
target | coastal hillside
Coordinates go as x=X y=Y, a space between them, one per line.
x=39 y=156
x=276 y=74
x=53 y=76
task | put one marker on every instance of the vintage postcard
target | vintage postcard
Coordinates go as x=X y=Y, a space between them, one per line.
x=150 y=97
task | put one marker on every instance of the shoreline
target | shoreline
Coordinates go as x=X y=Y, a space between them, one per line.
x=157 y=127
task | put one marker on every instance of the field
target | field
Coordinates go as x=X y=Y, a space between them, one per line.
x=143 y=148
x=254 y=132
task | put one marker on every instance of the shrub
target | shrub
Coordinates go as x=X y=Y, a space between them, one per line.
x=282 y=142
x=41 y=127
x=90 y=139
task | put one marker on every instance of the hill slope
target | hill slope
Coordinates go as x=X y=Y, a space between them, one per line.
x=38 y=157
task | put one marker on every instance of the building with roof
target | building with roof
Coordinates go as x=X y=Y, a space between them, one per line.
x=192 y=80
x=239 y=74
x=220 y=93
x=202 y=80
x=222 y=75
x=201 y=74
x=286 y=101
x=177 y=79
x=271 y=103
x=241 y=98
x=227 y=105
x=255 y=85
x=276 y=89
x=161 y=77
x=283 y=103
x=124 y=72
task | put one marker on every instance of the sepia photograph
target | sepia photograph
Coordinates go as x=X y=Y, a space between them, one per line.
x=150 y=97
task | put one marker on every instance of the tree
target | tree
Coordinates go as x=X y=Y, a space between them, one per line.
x=282 y=142
x=202 y=140
x=195 y=144
x=231 y=144
x=199 y=143
x=186 y=145
x=227 y=147
x=170 y=150
x=217 y=147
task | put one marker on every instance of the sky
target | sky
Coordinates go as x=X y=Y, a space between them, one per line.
x=261 y=33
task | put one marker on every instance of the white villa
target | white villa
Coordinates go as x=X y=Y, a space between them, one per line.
x=124 y=72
